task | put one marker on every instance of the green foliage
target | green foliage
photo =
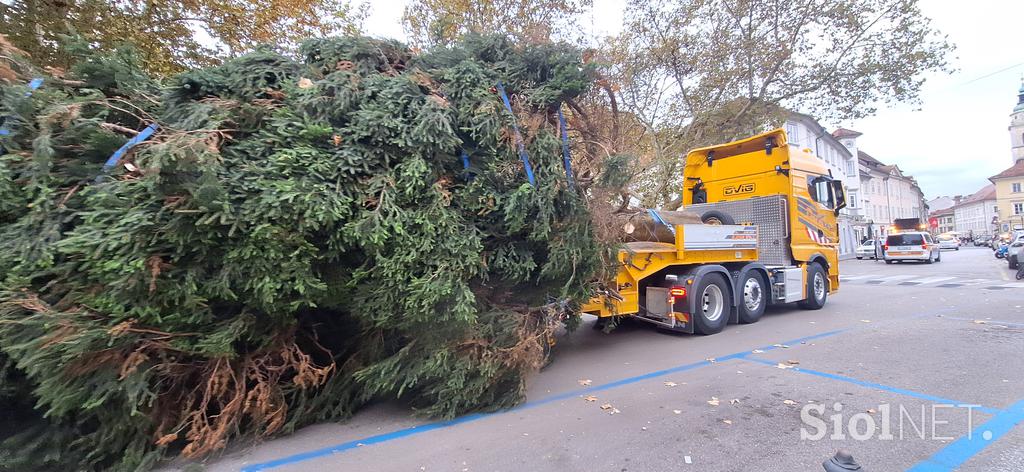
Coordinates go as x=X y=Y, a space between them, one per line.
x=300 y=237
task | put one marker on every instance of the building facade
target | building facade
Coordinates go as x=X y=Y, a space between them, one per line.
x=1009 y=183
x=945 y=220
x=805 y=132
x=977 y=215
x=887 y=194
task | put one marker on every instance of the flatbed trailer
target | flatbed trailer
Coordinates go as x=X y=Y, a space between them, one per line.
x=769 y=236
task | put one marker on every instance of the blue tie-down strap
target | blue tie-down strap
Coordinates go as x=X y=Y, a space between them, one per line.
x=118 y=154
x=519 y=138
x=465 y=165
x=32 y=85
x=657 y=219
x=564 y=130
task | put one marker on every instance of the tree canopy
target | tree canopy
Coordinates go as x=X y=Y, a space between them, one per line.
x=171 y=36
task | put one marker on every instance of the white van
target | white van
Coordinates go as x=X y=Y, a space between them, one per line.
x=911 y=246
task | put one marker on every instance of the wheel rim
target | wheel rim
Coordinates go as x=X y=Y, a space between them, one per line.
x=819 y=286
x=713 y=221
x=752 y=294
x=712 y=302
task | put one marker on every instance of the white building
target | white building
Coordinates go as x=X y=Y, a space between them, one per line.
x=887 y=194
x=805 y=132
x=977 y=214
x=942 y=203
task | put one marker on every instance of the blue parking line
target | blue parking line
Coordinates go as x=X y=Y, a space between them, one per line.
x=415 y=430
x=873 y=385
x=960 y=451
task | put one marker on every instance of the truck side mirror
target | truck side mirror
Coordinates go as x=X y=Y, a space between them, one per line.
x=839 y=195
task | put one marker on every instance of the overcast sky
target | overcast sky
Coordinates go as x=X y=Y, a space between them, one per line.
x=958 y=136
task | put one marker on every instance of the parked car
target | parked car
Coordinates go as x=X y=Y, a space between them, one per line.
x=949 y=242
x=1014 y=252
x=866 y=250
x=983 y=241
x=911 y=246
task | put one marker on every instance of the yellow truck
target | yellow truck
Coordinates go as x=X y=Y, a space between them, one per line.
x=767 y=234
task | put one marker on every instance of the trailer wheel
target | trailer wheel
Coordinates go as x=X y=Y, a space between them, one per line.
x=712 y=305
x=817 y=288
x=715 y=217
x=754 y=297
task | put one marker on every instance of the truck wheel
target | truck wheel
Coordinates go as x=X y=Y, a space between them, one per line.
x=754 y=297
x=817 y=288
x=715 y=217
x=1012 y=260
x=711 y=312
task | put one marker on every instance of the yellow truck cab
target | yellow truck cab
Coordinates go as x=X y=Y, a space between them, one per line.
x=768 y=235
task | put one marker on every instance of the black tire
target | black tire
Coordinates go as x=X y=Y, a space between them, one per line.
x=958 y=248
x=930 y=259
x=939 y=257
x=859 y=258
x=715 y=217
x=711 y=316
x=815 y=298
x=752 y=288
x=888 y=261
x=1012 y=260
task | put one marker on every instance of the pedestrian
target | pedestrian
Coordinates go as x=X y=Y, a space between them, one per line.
x=879 y=250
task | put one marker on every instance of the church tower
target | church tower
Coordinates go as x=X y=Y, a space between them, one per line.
x=1017 y=127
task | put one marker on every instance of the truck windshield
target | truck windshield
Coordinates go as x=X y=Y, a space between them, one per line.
x=904 y=240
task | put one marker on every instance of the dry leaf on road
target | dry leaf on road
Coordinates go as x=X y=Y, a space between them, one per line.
x=584 y=382
x=713 y=401
x=727 y=421
x=789 y=402
x=670 y=384
x=734 y=401
x=590 y=398
x=784 y=366
x=792 y=362
x=677 y=411
x=606 y=406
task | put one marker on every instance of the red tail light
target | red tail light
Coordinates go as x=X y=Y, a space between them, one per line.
x=924 y=245
x=885 y=247
x=677 y=294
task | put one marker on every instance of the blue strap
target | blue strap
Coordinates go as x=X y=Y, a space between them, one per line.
x=657 y=219
x=118 y=154
x=465 y=159
x=563 y=129
x=519 y=138
x=32 y=85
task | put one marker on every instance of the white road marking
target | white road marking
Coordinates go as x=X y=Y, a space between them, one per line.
x=894 y=278
x=854 y=277
x=1013 y=285
x=931 y=280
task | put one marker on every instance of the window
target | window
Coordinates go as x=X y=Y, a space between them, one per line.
x=820 y=190
x=853 y=200
x=1015 y=187
x=793 y=133
x=1018 y=208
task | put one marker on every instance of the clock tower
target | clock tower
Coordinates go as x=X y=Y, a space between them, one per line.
x=1017 y=127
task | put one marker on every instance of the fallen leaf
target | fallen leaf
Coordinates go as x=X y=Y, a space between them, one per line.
x=783 y=346
x=614 y=411
x=590 y=398
x=757 y=351
x=865 y=321
x=734 y=401
x=670 y=384
x=871 y=410
x=975 y=321
x=727 y=421
x=584 y=382
x=305 y=83
x=784 y=366
x=677 y=411
x=789 y=402
x=711 y=360
x=713 y=401
x=792 y=362
x=739 y=371
x=606 y=406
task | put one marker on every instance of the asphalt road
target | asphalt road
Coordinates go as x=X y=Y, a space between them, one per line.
x=913 y=340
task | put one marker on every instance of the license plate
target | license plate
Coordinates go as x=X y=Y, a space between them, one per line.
x=903 y=248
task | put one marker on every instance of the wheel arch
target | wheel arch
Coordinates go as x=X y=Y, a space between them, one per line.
x=696 y=274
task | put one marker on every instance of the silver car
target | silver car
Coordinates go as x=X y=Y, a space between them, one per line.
x=911 y=246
